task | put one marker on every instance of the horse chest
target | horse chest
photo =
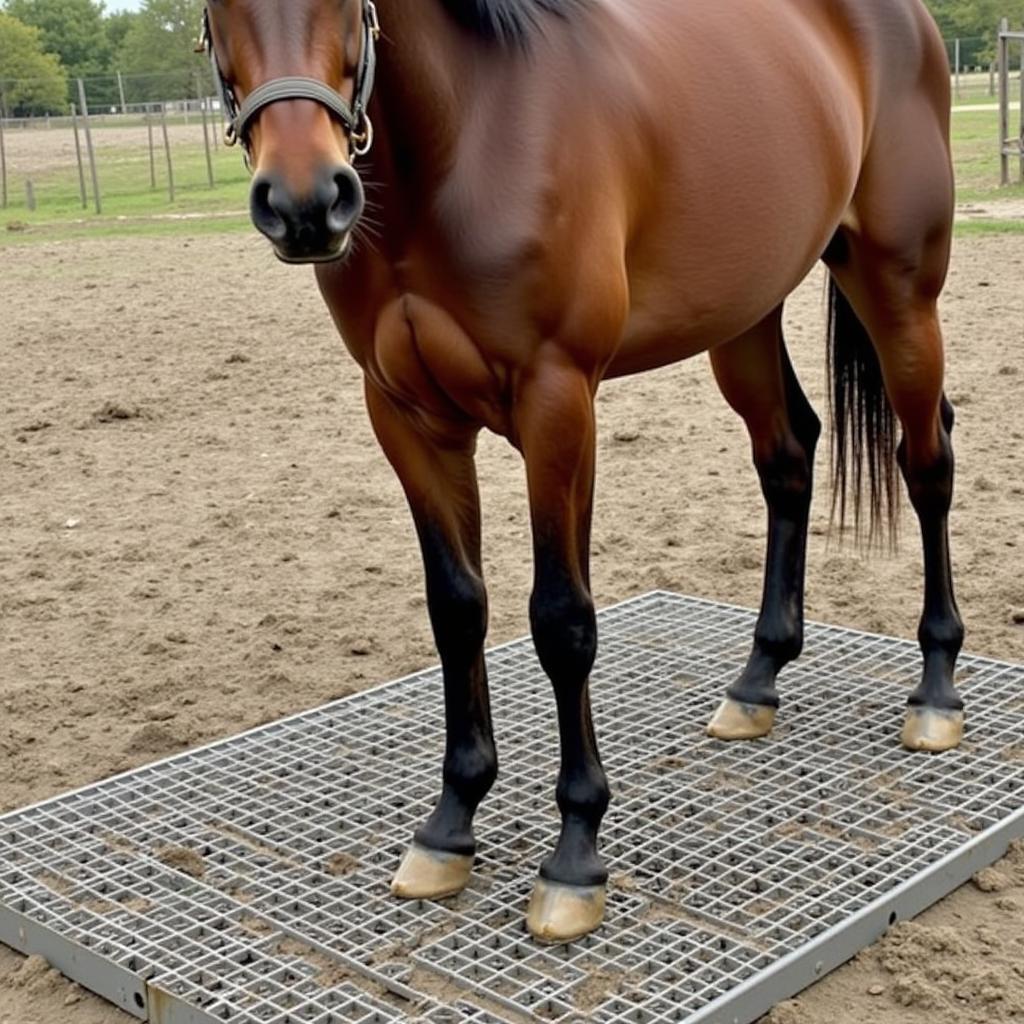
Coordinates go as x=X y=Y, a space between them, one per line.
x=422 y=356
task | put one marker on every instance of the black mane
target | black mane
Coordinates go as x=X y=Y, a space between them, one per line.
x=510 y=22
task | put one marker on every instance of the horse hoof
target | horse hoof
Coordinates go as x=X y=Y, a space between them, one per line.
x=932 y=729
x=737 y=721
x=430 y=874
x=561 y=913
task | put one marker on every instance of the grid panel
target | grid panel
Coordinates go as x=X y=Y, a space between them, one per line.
x=249 y=879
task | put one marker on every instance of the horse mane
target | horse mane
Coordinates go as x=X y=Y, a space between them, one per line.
x=509 y=22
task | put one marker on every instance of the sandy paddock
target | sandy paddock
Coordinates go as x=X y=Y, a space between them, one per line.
x=199 y=535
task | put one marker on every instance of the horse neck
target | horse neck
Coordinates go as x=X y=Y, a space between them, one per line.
x=417 y=110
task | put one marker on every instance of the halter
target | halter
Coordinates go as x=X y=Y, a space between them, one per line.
x=354 y=118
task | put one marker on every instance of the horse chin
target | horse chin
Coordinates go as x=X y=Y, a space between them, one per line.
x=331 y=255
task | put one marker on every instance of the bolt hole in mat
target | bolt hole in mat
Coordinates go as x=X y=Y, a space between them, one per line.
x=247 y=881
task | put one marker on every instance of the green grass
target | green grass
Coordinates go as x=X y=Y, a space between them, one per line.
x=131 y=206
x=976 y=157
x=129 y=201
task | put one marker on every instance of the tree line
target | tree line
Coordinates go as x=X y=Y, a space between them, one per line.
x=46 y=44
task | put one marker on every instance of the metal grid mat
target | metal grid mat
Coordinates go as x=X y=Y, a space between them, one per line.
x=247 y=881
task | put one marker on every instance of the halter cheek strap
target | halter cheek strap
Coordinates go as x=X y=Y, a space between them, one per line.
x=353 y=117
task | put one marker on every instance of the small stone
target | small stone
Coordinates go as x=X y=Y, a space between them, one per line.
x=876 y=990
x=991 y=880
x=1017 y=616
x=72 y=524
x=72 y=998
x=627 y=436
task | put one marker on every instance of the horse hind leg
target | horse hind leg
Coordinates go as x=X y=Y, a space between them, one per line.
x=891 y=265
x=757 y=379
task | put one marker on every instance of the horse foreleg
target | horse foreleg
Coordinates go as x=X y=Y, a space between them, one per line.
x=757 y=379
x=556 y=429
x=439 y=478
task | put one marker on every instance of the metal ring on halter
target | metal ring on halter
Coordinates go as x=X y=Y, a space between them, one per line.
x=362 y=142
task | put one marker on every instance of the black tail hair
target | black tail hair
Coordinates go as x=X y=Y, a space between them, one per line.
x=863 y=427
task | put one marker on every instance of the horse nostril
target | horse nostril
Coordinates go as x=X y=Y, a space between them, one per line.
x=345 y=209
x=264 y=214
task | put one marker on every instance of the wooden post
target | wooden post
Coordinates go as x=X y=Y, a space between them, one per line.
x=206 y=131
x=89 y=147
x=1004 y=101
x=30 y=195
x=3 y=154
x=167 y=147
x=152 y=152
x=992 y=78
x=1021 y=40
x=957 y=70
x=78 y=156
x=120 y=89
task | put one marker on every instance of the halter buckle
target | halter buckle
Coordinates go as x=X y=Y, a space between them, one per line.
x=372 y=20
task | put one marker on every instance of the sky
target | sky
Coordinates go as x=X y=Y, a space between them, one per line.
x=122 y=5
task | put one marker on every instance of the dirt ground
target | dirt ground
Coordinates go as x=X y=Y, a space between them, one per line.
x=199 y=535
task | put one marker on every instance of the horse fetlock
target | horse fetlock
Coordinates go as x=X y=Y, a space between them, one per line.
x=585 y=795
x=471 y=771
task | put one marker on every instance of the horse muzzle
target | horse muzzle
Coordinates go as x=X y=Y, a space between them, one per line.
x=314 y=226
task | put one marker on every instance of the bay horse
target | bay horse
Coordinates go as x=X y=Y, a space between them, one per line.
x=566 y=191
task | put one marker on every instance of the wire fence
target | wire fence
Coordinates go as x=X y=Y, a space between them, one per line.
x=133 y=144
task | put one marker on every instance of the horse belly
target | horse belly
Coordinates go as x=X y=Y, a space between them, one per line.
x=747 y=197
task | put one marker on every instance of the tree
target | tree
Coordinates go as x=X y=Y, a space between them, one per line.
x=31 y=80
x=116 y=26
x=975 y=23
x=160 y=44
x=71 y=30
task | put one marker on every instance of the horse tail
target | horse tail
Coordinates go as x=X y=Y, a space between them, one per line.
x=863 y=427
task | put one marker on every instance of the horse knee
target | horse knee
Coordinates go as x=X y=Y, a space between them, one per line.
x=458 y=614
x=564 y=629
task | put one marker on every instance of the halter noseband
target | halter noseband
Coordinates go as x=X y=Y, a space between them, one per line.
x=353 y=117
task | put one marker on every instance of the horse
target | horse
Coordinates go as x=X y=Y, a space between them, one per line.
x=567 y=191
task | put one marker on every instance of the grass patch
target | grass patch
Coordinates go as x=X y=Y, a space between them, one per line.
x=973 y=228
x=976 y=156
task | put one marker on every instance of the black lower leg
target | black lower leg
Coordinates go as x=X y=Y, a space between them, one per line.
x=458 y=612
x=786 y=472
x=941 y=631
x=565 y=634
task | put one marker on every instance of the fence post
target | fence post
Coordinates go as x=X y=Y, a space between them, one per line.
x=152 y=154
x=78 y=155
x=120 y=89
x=30 y=195
x=1004 y=100
x=206 y=131
x=167 y=147
x=3 y=154
x=957 y=59
x=992 y=78
x=1022 y=109
x=88 y=145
